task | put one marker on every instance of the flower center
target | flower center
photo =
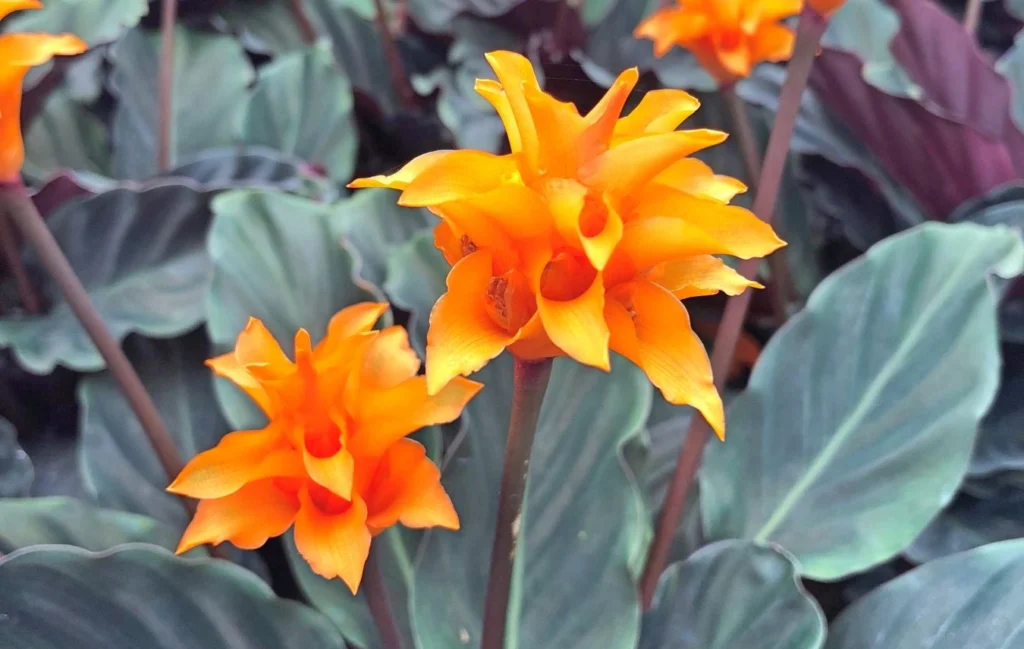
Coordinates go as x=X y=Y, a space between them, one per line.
x=326 y=500
x=323 y=440
x=567 y=276
x=510 y=303
x=593 y=216
x=730 y=39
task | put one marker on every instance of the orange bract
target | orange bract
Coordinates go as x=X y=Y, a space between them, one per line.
x=728 y=37
x=584 y=238
x=333 y=460
x=18 y=53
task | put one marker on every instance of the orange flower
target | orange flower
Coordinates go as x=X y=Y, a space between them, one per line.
x=334 y=459
x=825 y=7
x=728 y=37
x=18 y=53
x=584 y=238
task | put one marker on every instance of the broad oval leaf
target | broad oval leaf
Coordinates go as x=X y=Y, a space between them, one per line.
x=968 y=600
x=375 y=227
x=859 y=419
x=302 y=105
x=16 y=472
x=66 y=135
x=211 y=77
x=66 y=521
x=96 y=22
x=141 y=257
x=415 y=279
x=275 y=259
x=1000 y=444
x=140 y=596
x=118 y=463
x=733 y=594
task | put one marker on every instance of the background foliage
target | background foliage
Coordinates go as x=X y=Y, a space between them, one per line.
x=873 y=475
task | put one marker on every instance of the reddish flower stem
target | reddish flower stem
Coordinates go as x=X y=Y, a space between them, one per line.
x=380 y=608
x=809 y=32
x=530 y=380
x=12 y=257
x=15 y=204
x=394 y=58
x=302 y=21
x=972 y=15
x=168 y=18
x=781 y=290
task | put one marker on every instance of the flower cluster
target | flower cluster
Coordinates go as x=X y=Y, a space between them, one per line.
x=18 y=53
x=334 y=459
x=584 y=238
x=728 y=37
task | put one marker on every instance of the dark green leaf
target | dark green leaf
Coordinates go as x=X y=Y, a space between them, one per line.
x=969 y=600
x=967 y=523
x=733 y=594
x=212 y=75
x=415 y=279
x=65 y=135
x=140 y=596
x=302 y=105
x=16 y=472
x=140 y=255
x=96 y=22
x=858 y=422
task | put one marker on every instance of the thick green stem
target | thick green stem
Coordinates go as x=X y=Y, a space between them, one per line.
x=530 y=382
x=380 y=606
x=168 y=17
x=809 y=32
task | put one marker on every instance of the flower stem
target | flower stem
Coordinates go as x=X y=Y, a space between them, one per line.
x=781 y=290
x=12 y=257
x=530 y=380
x=168 y=17
x=380 y=607
x=15 y=204
x=809 y=32
x=302 y=21
x=972 y=16
x=394 y=58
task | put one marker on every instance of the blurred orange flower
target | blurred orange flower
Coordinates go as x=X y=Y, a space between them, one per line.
x=728 y=37
x=334 y=459
x=18 y=53
x=825 y=7
x=584 y=238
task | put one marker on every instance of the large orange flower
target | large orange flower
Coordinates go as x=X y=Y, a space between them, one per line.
x=584 y=238
x=334 y=459
x=728 y=37
x=18 y=53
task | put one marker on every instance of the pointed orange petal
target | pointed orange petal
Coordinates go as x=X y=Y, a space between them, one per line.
x=772 y=10
x=248 y=517
x=670 y=27
x=386 y=416
x=462 y=337
x=649 y=242
x=739 y=231
x=577 y=326
x=337 y=345
x=696 y=178
x=241 y=457
x=460 y=174
x=8 y=7
x=401 y=178
x=600 y=239
x=697 y=276
x=533 y=343
x=555 y=121
x=389 y=360
x=257 y=347
x=518 y=211
x=515 y=73
x=334 y=545
x=626 y=168
x=672 y=355
x=772 y=43
x=227 y=365
x=738 y=61
x=660 y=111
x=334 y=472
x=601 y=120
x=495 y=95
x=407 y=489
x=28 y=50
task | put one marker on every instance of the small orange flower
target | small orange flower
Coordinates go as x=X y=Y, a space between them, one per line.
x=334 y=459
x=18 y=53
x=584 y=238
x=728 y=37
x=825 y=7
